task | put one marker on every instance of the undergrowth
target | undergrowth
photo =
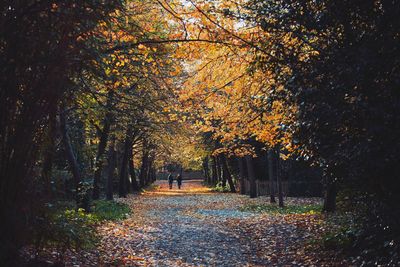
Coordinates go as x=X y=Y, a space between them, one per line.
x=289 y=209
x=63 y=227
x=110 y=210
x=220 y=188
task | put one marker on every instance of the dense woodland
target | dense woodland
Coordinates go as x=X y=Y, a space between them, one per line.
x=96 y=96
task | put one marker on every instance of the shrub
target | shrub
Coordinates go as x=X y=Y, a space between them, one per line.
x=342 y=238
x=110 y=210
x=221 y=189
x=64 y=229
x=74 y=229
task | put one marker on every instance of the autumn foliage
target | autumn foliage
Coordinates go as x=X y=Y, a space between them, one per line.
x=97 y=97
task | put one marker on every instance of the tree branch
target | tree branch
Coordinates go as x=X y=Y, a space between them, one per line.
x=131 y=45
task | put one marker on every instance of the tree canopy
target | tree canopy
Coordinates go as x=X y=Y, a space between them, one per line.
x=111 y=92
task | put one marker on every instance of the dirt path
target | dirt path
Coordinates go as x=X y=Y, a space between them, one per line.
x=196 y=227
x=186 y=227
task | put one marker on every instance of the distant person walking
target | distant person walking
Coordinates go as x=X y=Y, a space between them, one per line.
x=170 y=180
x=179 y=180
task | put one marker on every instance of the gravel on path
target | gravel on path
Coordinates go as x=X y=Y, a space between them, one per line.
x=196 y=227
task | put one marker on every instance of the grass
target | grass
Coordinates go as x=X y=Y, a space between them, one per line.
x=221 y=189
x=290 y=209
x=110 y=210
x=149 y=188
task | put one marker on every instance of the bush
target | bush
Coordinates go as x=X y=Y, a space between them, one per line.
x=342 y=238
x=110 y=210
x=221 y=189
x=64 y=229
x=74 y=229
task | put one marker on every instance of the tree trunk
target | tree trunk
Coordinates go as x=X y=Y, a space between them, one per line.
x=214 y=173
x=123 y=175
x=111 y=169
x=49 y=154
x=148 y=171
x=252 y=176
x=242 y=175
x=330 y=198
x=219 y=169
x=102 y=145
x=271 y=175
x=135 y=186
x=279 y=179
x=227 y=174
x=221 y=162
x=143 y=168
x=206 y=171
x=154 y=174
x=82 y=201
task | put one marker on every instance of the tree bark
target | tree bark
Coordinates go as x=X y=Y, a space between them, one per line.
x=219 y=169
x=149 y=171
x=206 y=171
x=102 y=145
x=252 y=176
x=224 y=169
x=154 y=174
x=271 y=175
x=49 y=154
x=83 y=201
x=221 y=162
x=122 y=177
x=111 y=169
x=227 y=174
x=135 y=185
x=214 y=173
x=242 y=175
x=143 y=168
x=279 y=179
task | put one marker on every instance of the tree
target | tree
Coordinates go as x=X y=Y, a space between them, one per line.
x=42 y=48
x=271 y=174
x=242 y=175
x=279 y=179
x=252 y=176
x=344 y=90
x=227 y=174
x=110 y=169
x=104 y=133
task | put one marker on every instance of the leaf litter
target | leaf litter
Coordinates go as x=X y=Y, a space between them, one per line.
x=196 y=227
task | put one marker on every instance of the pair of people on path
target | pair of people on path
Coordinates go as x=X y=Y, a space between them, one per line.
x=171 y=180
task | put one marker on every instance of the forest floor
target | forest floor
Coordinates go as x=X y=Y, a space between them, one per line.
x=197 y=227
